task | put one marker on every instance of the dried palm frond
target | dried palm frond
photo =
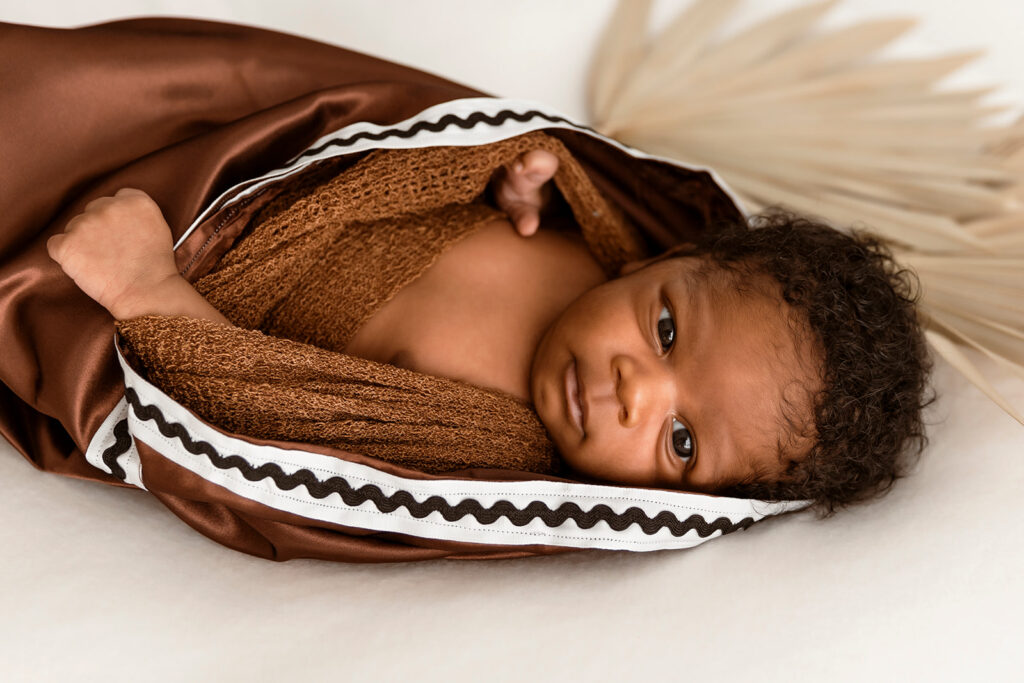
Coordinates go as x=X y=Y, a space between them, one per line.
x=808 y=120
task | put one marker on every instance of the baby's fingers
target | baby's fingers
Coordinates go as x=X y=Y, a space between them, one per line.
x=540 y=165
x=530 y=171
x=55 y=246
x=523 y=190
x=525 y=217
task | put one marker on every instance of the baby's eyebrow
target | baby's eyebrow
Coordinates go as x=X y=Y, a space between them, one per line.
x=686 y=295
x=691 y=284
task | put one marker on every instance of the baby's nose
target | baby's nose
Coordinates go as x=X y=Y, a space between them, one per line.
x=642 y=391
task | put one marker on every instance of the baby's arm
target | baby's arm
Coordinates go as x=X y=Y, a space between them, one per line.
x=120 y=252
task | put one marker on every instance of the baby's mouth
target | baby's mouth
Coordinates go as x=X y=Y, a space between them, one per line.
x=573 y=398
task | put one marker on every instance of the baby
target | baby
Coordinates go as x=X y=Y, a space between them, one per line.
x=781 y=362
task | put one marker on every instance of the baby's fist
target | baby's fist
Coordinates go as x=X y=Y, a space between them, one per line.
x=116 y=249
x=522 y=191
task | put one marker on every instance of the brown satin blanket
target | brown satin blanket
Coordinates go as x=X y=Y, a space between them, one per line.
x=184 y=110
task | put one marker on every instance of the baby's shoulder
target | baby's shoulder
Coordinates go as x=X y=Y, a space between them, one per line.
x=556 y=253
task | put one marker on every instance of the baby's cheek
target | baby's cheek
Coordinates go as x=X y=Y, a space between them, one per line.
x=574 y=459
x=617 y=463
x=591 y=460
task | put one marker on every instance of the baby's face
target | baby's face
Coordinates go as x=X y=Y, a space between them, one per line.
x=680 y=379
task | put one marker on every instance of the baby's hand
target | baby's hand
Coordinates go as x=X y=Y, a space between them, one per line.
x=116 y=250
x=521 y=189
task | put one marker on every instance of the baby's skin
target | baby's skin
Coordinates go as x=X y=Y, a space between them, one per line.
x=665 y=376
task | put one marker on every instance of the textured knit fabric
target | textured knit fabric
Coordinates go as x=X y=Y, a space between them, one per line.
x=318 y=262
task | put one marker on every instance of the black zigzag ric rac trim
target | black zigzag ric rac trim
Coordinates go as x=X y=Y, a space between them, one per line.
x=388 y=503
x=445 y=121
x=123 y=441
x=442 y=123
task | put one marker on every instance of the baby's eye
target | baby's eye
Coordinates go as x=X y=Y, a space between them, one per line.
x=666 y=329
x=682 y=441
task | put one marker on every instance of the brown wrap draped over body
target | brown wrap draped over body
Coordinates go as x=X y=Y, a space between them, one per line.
x=183 y=110
x=318 y=261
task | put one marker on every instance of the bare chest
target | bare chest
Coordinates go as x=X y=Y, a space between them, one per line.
x=478 y=313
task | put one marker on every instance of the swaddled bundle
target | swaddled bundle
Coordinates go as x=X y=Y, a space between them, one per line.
x=212 y=154
x=318 y=262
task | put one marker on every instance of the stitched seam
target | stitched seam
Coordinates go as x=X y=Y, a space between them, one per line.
x=205 y=465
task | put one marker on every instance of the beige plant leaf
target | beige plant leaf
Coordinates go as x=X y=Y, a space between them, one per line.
x=755 y=44
x=959 y=360
x=686 y=37
x=860 y=87
x=948 y=326
x=673 y=50
x=620 y=49
x=1004 y=232
x=982 y=331
x=815 y=56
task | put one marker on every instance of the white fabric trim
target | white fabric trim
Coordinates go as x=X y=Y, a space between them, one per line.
x=333 y=509
x=104 y=438
x=453 y=135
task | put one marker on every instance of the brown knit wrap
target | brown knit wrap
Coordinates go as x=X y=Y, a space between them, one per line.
x=317 y=263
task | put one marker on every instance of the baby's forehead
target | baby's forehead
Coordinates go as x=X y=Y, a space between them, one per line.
x=723 y=279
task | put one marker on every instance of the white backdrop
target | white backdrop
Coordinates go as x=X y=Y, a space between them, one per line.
x=926 y=584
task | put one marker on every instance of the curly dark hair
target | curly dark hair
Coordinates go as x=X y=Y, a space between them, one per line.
x=860 y=307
